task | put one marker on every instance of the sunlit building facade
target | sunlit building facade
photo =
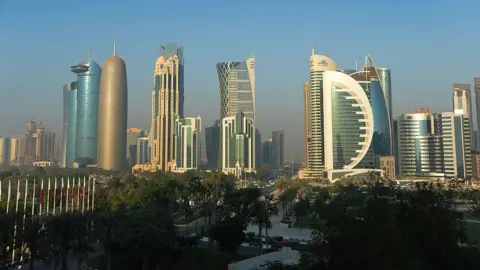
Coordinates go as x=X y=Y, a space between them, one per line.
x=187 y=143
x=4 y=150
x=88 y=91
x=71 y=123
x=238 y=144
x=17 y=150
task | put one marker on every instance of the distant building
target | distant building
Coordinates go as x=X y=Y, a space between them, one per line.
x=238 y=144
x=258 y=148
x=278 y=148
x=4 y=150
x=306 y=121
x=70 y=124
x=133 y=134
x=212 y=145
x=143 y=155
x=17 y=150
x=476 y=86
x=44 y=145
x=477 y=161
x=462 y=104
x=187 y=143
x=267 y=152
x=387 y=165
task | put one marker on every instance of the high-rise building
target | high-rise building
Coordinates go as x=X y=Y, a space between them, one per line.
x=167 y=104
x=17 y=150
x=376 y=84
x=187 y=143
x=258 y=148
x=212 y=145
x=476 y=86
x=133 y=134
x=4 y=150
x=340 y=121
x=238 y=144
x=237 y=88
x=267 y=152
x=70 y=124
x=44 y=145
x=143 y=155
x=30 y=143
x=112 y=114
x=462 y=99
x=88 y=88
x=456 y=145
x=306 y=121
x=278 y=146
x=419 y=146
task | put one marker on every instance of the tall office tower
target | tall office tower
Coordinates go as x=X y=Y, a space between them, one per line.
x=237 y=88
x=70 y=124
x=238 y=144
x=456 y=144
x=212 y=143
x=341 y=121
x=377 y=88
x=63 y=146
x=419 y=146
x=385 y=77
x=476 y=86
x=462 y=102
x=88 y=88
x=4 y=150
x=132 y=144
x=112 y=114
x=278 y=146
x=395 y=145
x=267 y=152
x=143 y=156
x=17 y=150
x=30 y=143
x=167 y=104
x=187 y=143
x=258 y=148
x=45 y=145
x=306 y=121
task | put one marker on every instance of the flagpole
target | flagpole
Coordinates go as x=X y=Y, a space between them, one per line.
x=78 y=194
x=9 y=194
x=93 y=195
x=41 y=198
x=83 y=195
x=88 y=193
x=48 y=197
x=72 y=204
x=16 y=220
x=24 y=216
x=33 y=197
x=68 y=191
x=0 y=190
x=61 y=197
x=55 y=195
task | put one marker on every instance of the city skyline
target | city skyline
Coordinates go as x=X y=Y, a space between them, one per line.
x=417 y=68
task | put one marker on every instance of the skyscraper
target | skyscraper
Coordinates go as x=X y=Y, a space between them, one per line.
x=4 y=150
x=44 y=145
x=340 y=121
x=88 y=87
x=187 y=143
x=237 y=88
x=278 y=145
x=143 y=156
x=112 y=114
x=238 y=144
x=476 y=86
x=385 y=77
x=267 y=152
x=167 y=104
x=17 y=150
x=70 y=125
x=258 y=147
x=377 y=88
x=306 y=121
x=212 y=145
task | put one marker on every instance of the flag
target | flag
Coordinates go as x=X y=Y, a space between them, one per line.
x=41 y=192
x=18 y=196
x=84 y=188
x=48 y=196
x=25 y=200
x=54 y=195
x=9 y=194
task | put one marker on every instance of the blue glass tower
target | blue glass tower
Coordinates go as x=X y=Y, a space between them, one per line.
x=88 y=89
x=71 y=123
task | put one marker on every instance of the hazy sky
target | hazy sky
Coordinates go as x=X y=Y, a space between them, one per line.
x=428 y=45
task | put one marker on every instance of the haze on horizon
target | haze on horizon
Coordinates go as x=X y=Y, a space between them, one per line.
x=427 y=45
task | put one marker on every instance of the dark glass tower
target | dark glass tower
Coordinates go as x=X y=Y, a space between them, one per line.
x=88 y=89
x=212 y=143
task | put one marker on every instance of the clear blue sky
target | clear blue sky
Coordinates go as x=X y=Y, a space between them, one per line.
x=428 y=45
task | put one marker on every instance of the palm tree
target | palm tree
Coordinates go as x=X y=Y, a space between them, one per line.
x=262 y=210
x=195 y=189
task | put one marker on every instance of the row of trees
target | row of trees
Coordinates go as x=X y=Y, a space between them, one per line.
x=381 y=227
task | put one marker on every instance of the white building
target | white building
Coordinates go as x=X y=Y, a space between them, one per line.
x=187 y=143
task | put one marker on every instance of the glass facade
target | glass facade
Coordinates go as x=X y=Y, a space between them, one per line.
x=385 y=78
x=238 y=142
x=71 y=124
x=212 y=143
x=88 y=90
x=278 y=146
x=187 y=143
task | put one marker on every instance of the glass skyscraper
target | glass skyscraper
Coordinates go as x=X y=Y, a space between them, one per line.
x=71 y=125
x=187 y=143
x=212 y=145
x=88 y=89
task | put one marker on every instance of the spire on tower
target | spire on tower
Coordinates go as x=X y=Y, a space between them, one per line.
x=313 y=47
x=90 y=53
x=114 y=47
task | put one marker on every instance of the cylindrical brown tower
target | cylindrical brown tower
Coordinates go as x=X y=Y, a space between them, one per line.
x=112 y=115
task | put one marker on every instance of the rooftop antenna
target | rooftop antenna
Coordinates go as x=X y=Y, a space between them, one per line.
x=90 y=53
x=114 y=47
x=313 y=47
